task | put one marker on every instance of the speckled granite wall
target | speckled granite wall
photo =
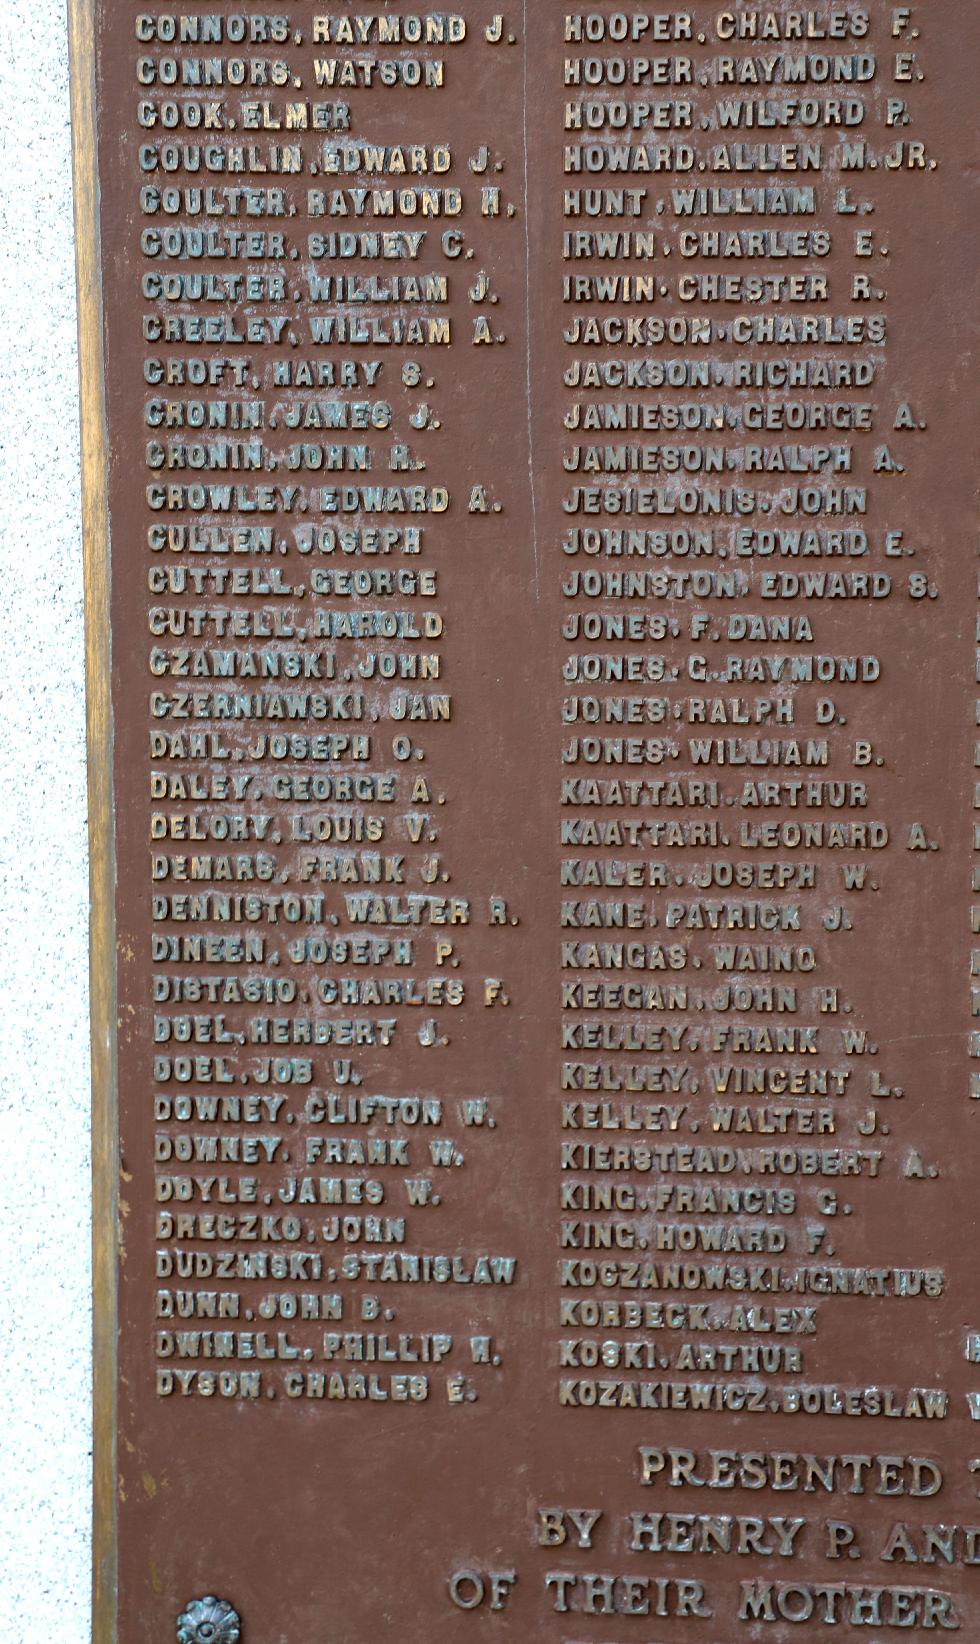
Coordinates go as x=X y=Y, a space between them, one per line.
x=44 y=1094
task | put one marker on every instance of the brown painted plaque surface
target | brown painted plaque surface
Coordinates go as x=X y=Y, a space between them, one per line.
x=535 y=738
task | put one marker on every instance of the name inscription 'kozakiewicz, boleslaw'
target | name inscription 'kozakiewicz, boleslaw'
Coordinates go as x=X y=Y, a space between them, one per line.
x=534 y=746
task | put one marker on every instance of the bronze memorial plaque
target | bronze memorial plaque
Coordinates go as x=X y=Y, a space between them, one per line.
x=534 y=630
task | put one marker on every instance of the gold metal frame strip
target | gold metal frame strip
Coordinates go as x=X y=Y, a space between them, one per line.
x=95 y=528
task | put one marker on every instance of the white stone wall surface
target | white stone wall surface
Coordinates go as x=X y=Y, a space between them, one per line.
x=45 y=1359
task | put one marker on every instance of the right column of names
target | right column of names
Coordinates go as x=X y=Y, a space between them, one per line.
x=765 y=790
